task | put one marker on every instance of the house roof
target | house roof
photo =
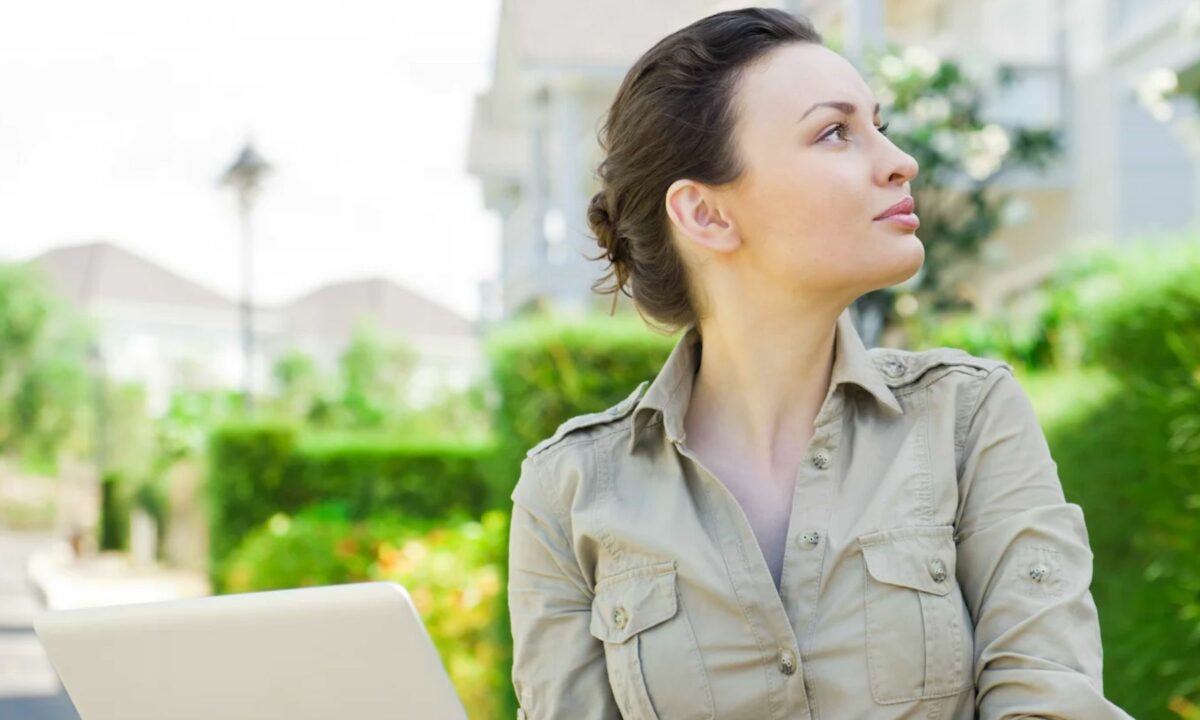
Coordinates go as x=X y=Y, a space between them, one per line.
x=103 y=270
x=335 y=309
x=590 y=34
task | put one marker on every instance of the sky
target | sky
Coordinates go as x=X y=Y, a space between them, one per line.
x=117 y=120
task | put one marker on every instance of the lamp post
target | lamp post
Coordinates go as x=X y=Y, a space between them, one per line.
x=245 y=175
x=97 y=371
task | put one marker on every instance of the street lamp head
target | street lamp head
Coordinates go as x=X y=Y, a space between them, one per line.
x=247 y=171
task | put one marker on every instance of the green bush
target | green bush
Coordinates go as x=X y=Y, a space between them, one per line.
x=1149 y=330
x=1127 y=444
x=451 y=568
x=1047 y=328
x=995 y=337
x=548 y=369
x=257 y=470
x=114 y=513
x=247 y=482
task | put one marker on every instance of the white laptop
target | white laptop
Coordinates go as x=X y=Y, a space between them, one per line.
x=340 y=651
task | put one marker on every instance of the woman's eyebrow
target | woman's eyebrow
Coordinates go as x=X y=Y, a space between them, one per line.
x=840 y=106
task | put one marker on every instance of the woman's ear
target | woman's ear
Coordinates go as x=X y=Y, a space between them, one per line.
x=694 y=211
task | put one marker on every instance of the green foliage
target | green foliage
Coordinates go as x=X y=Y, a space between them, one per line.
x=451 y=569
x=996 y=337
x=259 y=469
x=419 y=480
x=375 y=378
x=370 y=392
x=183 y=430
x=114 y=514
x=43 y=361
x=247 y=482
x=547 y=369
x=452 y=414
x=123 y=429
x=1125 y=434
x=301 y=389
x=1139 y=500
x=1148 y=331
x=1055 y=325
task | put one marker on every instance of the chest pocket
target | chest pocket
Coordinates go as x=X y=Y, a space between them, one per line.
x=651 y=651
x=920 y=643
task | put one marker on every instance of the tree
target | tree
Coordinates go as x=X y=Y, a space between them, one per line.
x=376 y=373
x=301 y=389
x=43 y=366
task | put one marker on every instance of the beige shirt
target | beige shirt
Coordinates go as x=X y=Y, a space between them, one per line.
x=932 y=569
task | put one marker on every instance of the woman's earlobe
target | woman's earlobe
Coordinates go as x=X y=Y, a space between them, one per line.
x=691 y=210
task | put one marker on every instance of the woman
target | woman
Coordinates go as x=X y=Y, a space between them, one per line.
x=796 y=527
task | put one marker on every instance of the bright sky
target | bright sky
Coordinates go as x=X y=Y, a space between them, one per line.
x=117 y=119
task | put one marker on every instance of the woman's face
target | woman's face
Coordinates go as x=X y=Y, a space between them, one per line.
x=804 y=208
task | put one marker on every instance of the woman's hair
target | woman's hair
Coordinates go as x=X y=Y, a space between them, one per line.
x=673 y=117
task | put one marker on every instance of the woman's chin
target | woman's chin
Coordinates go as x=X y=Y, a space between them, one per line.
x=907 y=255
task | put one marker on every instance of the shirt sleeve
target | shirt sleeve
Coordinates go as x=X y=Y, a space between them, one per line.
x=1025 y=567
x=559 y=667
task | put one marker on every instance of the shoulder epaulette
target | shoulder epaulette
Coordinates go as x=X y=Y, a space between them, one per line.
x=579 y=422
x=901 y=367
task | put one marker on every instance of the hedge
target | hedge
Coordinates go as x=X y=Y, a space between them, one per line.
x=1131 y=456
x=256 y=470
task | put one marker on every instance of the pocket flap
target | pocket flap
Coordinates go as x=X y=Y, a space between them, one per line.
x=918 y=557
x=633 y=600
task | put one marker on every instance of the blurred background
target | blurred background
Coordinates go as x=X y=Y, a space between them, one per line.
x=288 y=289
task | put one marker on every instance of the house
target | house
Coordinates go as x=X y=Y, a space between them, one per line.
x=321 y=323
x=167 y=332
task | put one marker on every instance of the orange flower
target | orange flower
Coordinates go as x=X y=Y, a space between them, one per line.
x=347 y=547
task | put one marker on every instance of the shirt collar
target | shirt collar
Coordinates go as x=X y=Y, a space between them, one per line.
x=671 y=390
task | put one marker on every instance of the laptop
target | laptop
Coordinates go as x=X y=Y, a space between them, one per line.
x=357 y=651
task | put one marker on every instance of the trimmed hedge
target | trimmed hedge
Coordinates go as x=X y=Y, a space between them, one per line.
x=1134 y=493
x=1135 y=458
x=114 y=513
x=548 y=369
x=1122 y=416
x=257 y=470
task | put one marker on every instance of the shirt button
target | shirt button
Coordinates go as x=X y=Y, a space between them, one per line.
x=937 y=570
x=1037 y=572
x=893 y=367
x=821 y=459
x=810 y=539
x=619 y=616
x=787 y=661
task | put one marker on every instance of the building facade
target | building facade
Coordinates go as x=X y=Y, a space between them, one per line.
x=168 y=333
x=1119 y=78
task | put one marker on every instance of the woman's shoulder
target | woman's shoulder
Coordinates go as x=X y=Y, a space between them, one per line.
x=901 y=368
x=558 y=468
x=582 y=425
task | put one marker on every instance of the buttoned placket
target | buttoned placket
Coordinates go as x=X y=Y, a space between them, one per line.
x=793 y=605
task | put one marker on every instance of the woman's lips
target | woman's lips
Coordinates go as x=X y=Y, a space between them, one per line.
x=908 y=220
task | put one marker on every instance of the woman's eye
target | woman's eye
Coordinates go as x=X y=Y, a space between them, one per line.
x=841 y=128
x=838 y=130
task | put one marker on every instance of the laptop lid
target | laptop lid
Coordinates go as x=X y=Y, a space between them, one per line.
x=357 y=651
